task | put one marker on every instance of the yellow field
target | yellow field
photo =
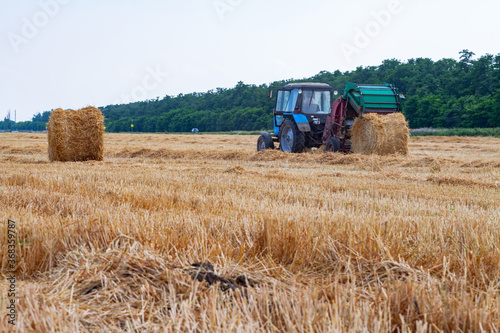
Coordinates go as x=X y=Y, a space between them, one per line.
x=325 y=242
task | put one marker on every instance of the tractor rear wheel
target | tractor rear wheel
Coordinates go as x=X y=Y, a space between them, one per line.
x=291 y=139
x=332 y=145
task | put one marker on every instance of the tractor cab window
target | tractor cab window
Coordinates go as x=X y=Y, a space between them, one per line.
x=286 y=100
x=282 y=100
x=316 y=101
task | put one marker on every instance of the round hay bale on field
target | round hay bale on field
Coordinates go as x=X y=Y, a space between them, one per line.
x=380 y=134
x=76 y=135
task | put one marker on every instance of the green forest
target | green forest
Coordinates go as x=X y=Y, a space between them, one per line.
x=448 y=93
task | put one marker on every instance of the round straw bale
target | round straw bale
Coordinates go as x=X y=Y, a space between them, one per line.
x=380 y=134
x=76 y=135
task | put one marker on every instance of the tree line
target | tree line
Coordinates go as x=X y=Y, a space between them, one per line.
x=447 y=93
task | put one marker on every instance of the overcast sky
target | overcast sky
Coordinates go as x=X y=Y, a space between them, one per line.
x=74 y=53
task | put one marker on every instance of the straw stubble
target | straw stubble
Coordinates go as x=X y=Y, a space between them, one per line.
x=337 y=243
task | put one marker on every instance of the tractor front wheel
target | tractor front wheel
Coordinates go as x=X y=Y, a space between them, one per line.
x=332 y=145
x=291 y=139
x=264 y=142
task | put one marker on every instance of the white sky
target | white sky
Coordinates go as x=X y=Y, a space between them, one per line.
x=73 y=53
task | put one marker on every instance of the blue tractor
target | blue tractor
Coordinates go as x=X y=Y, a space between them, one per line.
x=305 y=115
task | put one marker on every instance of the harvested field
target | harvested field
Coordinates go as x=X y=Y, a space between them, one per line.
x=298 y=242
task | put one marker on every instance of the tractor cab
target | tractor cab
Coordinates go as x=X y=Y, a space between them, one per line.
x=312 y=100
x=306 y=98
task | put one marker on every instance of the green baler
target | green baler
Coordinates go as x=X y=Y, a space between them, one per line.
x=376 y=98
